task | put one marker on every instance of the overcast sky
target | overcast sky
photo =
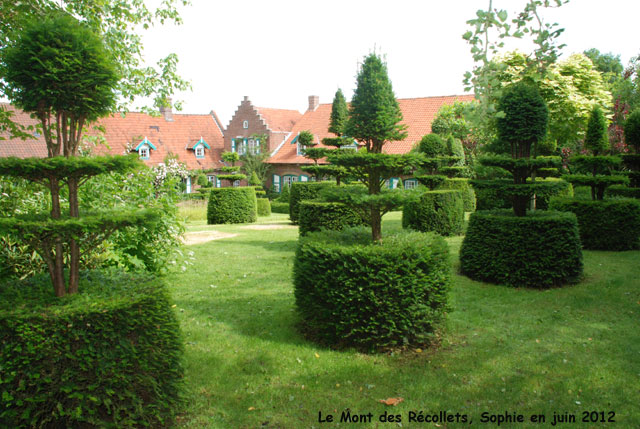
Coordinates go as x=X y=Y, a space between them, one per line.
x=278 y=52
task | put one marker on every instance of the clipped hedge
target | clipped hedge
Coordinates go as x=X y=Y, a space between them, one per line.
x=264 y=207
x=316 y=215
x=622 y=191
x=605 y=225
x=109 y=356
x=440 y=211
x=352 y=293
x=304 y=191
x=232 y=205
x=539 y=250
x=489 y=198
x=468 y=194
x=279 y=207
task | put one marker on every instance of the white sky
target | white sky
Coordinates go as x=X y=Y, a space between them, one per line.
x=278 y=52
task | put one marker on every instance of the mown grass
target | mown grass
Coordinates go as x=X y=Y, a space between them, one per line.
x=565 y=350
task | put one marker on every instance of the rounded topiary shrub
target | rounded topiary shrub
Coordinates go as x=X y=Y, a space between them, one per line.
x=232 y=205
x=109 y=356
x=468 y=194
x=316 y=215
x=441 y=211
x=605 y=225
x=264 y=206
x=304 y=191
x=279 y=207
x=539 y=250
x=352 y=293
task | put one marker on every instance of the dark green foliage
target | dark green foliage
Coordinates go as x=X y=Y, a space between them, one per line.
x=525 y=118
x=540 y=250
x=372 y=296
x=622 y=191
x=264 y=207
x=304 y=191
x=232 y=205
x=232 y=177
x=201 y=180
x=489 y=197
x=109 y=356
x=632 y=130
x=279 y=207
x=465 y=188
x=58 y=64
x=455 y=149
x=605 y=225
x=339 y=114
x=596 y=138
x=317 y=215
x=439 y=211
x=433 y=145
x=595 y=164
x=305 y=138
x=374 y=113
x=285 y=195
x=431 y=181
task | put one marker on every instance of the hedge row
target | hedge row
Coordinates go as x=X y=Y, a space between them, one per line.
x=539 y=250
x=622 y=191
x=264 y=207
x=352 y=293
x=279 y=207
x=490 y=198
x=605 y=225
x=232 y=205
x=316 y=215
x=304 y=191
x=440 y=211
x=109 y=356
x=468 y=194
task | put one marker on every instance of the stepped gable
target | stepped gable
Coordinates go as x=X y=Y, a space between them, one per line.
x=33 y=147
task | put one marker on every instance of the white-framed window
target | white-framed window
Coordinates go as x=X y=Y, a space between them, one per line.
x=254 y=146
x=276 y=183
x=300 y=149
x=144 y=152
x=304 y=178
x=239 y=145
x=392 y=183
x=410 y=183
x=200 y=151
x=188 y=190
x=212 y=179
x=236 y=183
x=288 y=179
x=245 y=124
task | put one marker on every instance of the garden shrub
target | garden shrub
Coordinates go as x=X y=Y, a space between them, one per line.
x=433 y=145
x=109 y=356
x=232 y=205
x=539 y=250
x=351 y=292
x=316 y=215
x=544 y=195
x=605 y=225
x=304 y=191
x=264 y=208
x=440 y=211
x=490 y=198
x=622 y=191
x=279 y=207
x=462 y=185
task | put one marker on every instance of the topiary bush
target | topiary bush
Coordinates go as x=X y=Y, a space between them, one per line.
x=440 y=211
x=351 y=292
x=279 y=207
x=109 y=356
x=317 y=215
x=539 y=250
x=433 y=145
x=304 y=191
x=605 y=225
x=264 y=207
x=465 y=188
x=232 y=205
x=490 y=197
x=622 y=191
x=543 y=195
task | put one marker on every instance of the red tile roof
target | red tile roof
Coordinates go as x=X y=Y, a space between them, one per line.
x=417 y=113
x=279 y=119
x=169 y=137
x=35 y=146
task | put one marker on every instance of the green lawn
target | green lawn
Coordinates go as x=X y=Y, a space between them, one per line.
x=560 y=351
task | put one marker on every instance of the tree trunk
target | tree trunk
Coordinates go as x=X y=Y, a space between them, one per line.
x=74 y=249
x=376 y=218
x=57 y=271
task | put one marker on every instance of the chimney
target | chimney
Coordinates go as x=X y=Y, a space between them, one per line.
x=314 y=102
x=166 y=111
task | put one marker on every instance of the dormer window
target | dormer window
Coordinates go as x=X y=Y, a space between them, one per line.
x=199 y=147
x=245 y=124
x=144 y=149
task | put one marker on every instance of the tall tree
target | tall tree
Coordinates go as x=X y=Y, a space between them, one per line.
x=596 y=138
x=339 y=114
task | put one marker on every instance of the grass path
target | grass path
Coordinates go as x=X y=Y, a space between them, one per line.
x=565 y=350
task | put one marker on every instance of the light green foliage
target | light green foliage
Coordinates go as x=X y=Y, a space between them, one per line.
x=263 y=207
x=230 y=157
x=254 y=180
x=433 y=145
x=339 y=114
x=609 y=65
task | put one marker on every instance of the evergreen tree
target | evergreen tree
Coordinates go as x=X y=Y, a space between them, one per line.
x=339 y=114
x=596 y=139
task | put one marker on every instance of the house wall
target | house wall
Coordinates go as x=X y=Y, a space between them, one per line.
x=246 y=112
